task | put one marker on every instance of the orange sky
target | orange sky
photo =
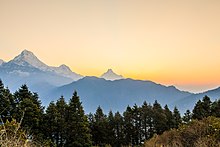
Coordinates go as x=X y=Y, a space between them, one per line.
x=170 y=42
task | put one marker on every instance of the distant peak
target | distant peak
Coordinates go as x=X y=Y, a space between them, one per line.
x=26 y=52
x=111 y=75
x=64 y=67
x=110 y=70
x=27 y=57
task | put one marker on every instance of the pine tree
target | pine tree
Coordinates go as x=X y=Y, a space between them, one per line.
x=50 y=123
x=119 y=130
x=187 y=116
x=111 y=129
x=146 y=121
x=29 y=109
x=128 y=125
x=6 y=104
x=78 y=134
x=100 y=132
x=61 y=108
x=170 y=118
x=215 y=108
x=197 y=111
x=159 y=118
x=176 y=117
x=136 y=115
x=207 y=106
x=202 y=108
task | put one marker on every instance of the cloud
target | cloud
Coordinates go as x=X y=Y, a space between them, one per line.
x=20 y=73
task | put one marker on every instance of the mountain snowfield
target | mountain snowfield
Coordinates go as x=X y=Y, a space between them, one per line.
x=27 y=57
x=110 y=91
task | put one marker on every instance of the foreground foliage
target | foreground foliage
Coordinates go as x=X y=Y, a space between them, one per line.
x=11 y=134
x=197 y=133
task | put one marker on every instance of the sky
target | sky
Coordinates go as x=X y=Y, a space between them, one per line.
x=170 y=42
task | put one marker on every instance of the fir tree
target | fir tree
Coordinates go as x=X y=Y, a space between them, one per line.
x=100 y=132
x=7 y=103
x=78 y=134
x=187 y=116
x=176 y=117
x=159 y=118
x=202 y=108
x=197 y=111
x=206 y=106
x=146 y=120
x=30 y=110
x=111 y=129
x=170 y=118
x=215 y=108
x=61 y=108
x=136 y=115
x=119 y=129
x=128 y=125
x=51 y=123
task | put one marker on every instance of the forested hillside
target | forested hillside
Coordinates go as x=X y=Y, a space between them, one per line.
x=65 y=123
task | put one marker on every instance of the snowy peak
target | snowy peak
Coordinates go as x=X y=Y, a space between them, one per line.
x=64 y=68
x=24 y=55
x=111 y=75
x=27 y=53
x=1 y=62
x=110 y=71
x=27 y=57
x=67 y=72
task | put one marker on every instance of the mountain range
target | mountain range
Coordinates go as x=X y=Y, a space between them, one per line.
x=111 y=91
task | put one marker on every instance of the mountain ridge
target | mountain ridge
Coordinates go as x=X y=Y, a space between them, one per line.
x=117 y=94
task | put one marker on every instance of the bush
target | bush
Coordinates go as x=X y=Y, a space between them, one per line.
x=12 y=135
x=205 y=133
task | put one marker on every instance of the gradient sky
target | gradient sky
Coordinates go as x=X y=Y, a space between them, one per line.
x=172 y=42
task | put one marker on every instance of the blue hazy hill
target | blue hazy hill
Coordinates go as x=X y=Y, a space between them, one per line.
x=117 y=95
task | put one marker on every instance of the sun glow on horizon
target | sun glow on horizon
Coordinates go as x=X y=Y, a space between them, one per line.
x=169 y=42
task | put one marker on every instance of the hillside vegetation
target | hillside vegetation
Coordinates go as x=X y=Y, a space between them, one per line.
x=197 y=133
x=65 y=123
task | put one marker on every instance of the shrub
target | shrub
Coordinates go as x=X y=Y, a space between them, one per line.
x=205 y=133
x=12 y=135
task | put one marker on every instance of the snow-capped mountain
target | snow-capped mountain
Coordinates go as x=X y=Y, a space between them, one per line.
x=1 y=62
x=27 y=58
x=66 y=71
x=110 y=75
x=26 y=68
x=52 y=82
